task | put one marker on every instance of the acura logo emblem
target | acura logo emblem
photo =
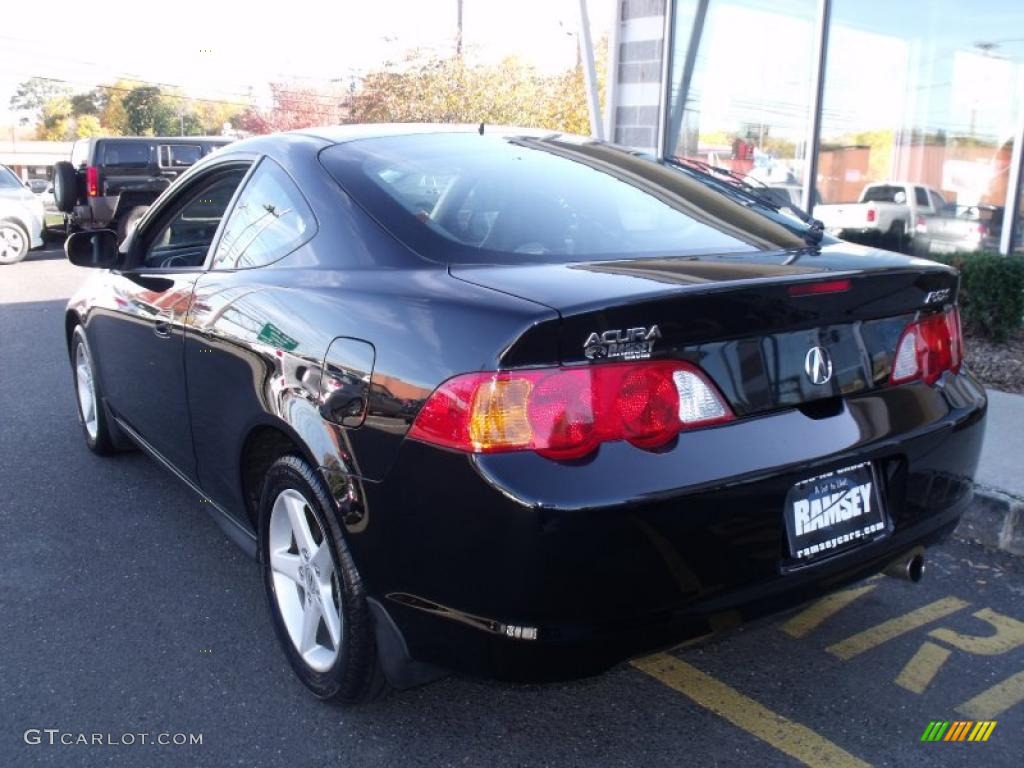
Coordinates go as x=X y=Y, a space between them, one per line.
x=818 y=365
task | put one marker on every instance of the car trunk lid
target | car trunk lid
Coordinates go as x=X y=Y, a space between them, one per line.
x=737 y=317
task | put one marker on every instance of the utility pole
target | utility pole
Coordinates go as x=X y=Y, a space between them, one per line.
x=458 y=34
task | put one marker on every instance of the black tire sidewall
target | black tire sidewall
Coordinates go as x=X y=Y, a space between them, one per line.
x=65 y=180
x=25 y=236
x=103 y=444
x=350 y=679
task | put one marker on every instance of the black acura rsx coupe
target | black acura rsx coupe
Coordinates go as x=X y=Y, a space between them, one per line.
x=519 y=404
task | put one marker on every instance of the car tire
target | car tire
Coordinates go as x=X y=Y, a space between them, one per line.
x=898 y=235
x=65 y=186
x=14 y=242
x=124 y=223
x=88 y=397
x=313 y=589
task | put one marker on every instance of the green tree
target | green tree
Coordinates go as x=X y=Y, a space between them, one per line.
x=85 y=103
x=56 y=122
x=32 y=95
x=113 y=115
x=143 y=110
x=60 y=123
x=450 y=90
x=88 y=125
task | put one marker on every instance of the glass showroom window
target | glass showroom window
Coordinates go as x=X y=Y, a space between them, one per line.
x=923 y=96
x=750 y=83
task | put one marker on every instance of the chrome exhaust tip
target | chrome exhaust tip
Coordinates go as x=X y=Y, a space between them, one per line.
x=910 y=567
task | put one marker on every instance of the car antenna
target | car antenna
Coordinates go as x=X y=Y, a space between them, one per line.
x=481 y=129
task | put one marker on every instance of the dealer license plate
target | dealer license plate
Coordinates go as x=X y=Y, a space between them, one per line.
x=834 y=511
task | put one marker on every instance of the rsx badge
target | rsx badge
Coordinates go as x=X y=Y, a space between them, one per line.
x=628 y=344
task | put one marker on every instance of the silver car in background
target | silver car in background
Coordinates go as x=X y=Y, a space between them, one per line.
x=21 y=218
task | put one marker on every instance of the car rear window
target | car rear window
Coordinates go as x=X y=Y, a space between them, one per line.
x=126 y=154
x=885 y=193
x=466 y=198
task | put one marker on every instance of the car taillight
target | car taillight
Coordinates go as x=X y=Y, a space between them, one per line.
x=929 y=347
x=818 y=288
x=921 y=225
x=565 y=413
x=871 y=214
x=92 y=181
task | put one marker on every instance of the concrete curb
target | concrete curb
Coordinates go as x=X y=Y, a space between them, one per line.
x=995 y=519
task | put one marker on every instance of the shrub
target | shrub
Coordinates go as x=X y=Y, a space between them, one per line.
x=991 y=292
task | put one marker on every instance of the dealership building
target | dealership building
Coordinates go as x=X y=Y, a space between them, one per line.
x=845 y=92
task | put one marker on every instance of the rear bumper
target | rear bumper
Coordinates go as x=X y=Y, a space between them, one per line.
x=515 y=567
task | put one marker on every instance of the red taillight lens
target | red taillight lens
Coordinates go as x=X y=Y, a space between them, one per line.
x=564 y=413
x=92 y=181
x=872 y=213
x=814 y=289
x=929 y=347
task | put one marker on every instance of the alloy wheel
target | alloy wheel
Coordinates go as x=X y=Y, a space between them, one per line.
x=307 y=589
x=86 y=390
x=12 y=243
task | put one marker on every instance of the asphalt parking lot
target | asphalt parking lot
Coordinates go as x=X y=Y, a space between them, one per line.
x=126 y=611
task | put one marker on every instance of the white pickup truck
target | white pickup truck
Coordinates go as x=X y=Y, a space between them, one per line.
x=887 y=210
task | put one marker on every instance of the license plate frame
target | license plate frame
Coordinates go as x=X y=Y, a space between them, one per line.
x=833 y=512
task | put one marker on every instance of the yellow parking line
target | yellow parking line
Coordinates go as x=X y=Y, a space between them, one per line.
x=810 y=619
x=796 y=740
x=887 y=630
x=990 y=703
x=1008 y=635
x=922 y=668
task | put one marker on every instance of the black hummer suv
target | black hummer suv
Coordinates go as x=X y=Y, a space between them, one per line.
x=110 y=181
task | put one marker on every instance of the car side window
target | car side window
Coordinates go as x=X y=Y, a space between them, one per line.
x=270 y=220
x=938 y=202
x=921 y=196
x=185 y=239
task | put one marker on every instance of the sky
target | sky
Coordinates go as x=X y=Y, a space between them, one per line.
x=218 y=50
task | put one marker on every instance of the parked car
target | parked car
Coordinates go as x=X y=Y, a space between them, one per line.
x=962 y=228
x=886 y=211
x=21 y=218
x=109 y=181
x=38 y=186
x=520 y=404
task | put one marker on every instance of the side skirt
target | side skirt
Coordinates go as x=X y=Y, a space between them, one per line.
x=235 y=531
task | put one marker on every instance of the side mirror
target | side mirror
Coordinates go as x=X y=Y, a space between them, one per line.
x=96 y=249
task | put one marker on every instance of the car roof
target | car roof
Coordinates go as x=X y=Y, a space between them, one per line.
x=337 y=134
x=161 y=139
